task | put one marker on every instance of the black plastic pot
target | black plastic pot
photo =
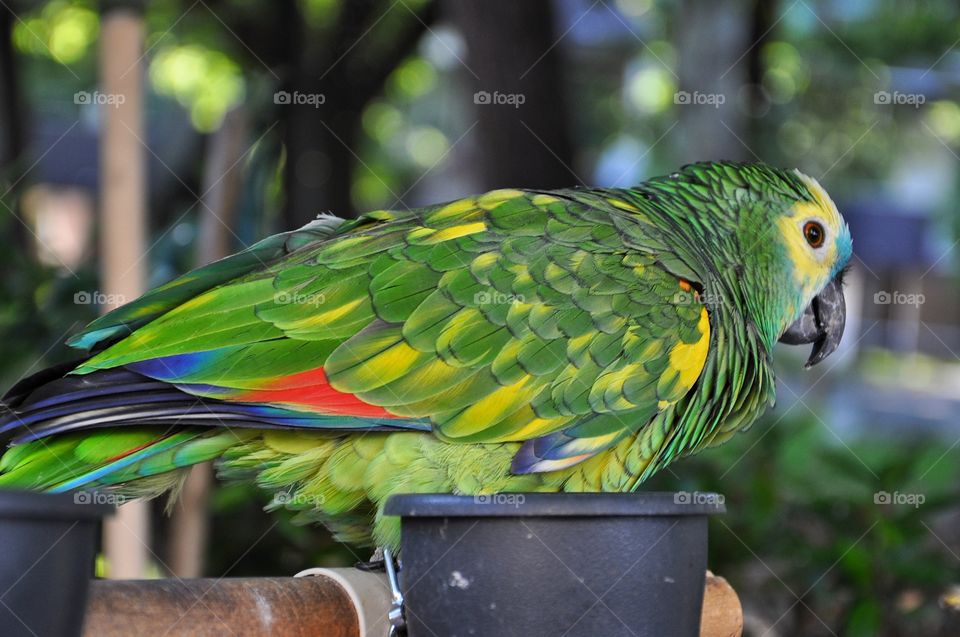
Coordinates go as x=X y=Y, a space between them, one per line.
x=554 y=564
x=47 y=550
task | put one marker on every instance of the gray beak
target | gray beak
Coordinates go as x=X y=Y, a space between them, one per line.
x=821 y=324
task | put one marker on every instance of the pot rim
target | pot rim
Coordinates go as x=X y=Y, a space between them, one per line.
x=522 y=505
x=16 y=503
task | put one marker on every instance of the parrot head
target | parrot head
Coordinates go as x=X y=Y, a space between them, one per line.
x=813 y=240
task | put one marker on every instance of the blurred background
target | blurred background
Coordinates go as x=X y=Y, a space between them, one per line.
x=140 y=140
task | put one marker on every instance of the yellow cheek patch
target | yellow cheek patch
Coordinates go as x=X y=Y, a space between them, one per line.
x=810 y=268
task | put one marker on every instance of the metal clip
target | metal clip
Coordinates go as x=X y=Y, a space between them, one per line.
x=398 y=623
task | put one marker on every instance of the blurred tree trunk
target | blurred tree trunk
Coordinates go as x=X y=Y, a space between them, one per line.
x=11 y=116
x=222 y=187
x=712 y=41
x=346 y=62
x=347 y=71
x=761 y=24
x=11 y=126
x=123 y=214
x=512 y=54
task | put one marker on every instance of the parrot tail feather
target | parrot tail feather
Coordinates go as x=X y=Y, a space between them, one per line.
x=123 y=430
x=121 y=397
x=146 y=461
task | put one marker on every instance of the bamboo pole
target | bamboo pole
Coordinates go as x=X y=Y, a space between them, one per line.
x=122 y=230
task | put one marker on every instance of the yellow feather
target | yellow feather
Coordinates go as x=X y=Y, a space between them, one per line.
x=544 y=200
x=453 y=210
x=496 y=197
x=491 y=408
x=622 y=205
x=688 y=358
x=427 y=236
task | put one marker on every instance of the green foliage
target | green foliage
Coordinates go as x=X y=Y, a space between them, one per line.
x=803 y=521
x=37 y=308
x=253 y=542
x=62 y=31
x=206 y=82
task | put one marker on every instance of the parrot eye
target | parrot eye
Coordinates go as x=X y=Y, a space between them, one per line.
x=813 y=233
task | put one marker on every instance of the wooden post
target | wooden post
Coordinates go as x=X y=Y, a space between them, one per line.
x=122 y=231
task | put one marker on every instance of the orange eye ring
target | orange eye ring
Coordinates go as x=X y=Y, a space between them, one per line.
x=814 y=234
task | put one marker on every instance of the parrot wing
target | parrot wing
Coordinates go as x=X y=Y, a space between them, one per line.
x=117 y=324
x=513 y=316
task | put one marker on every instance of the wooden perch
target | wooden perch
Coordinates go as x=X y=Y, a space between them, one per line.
x=281 y=607
x=341 y=602
x=722 y=614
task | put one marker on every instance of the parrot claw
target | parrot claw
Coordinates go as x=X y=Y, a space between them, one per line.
x=375 y=563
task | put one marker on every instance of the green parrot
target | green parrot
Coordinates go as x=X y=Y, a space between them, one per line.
x=517 y=341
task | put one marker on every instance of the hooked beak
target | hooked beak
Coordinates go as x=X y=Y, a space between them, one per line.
x=821 y=324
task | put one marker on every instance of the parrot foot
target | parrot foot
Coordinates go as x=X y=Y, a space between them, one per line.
x=375 y=563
